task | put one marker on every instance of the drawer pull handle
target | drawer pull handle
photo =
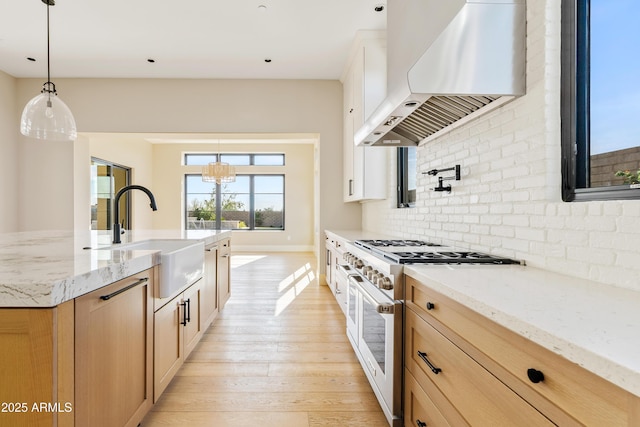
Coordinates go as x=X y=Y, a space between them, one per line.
x=421 y=423
x=125 y=289
x=423 y=356
x=430 y=305
x=535 y=376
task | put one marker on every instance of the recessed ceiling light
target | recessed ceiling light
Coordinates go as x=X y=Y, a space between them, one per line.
x=151 y=60
x=31 y=59
x=379 y=7
x=267 y=60
x=262 y=8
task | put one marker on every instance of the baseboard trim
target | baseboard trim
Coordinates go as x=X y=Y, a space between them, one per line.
x=271 y=248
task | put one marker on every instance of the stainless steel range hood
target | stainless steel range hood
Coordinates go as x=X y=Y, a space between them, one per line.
x=447 y=60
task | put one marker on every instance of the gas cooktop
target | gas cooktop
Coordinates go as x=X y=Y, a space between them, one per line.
x=420 y=252
x=446 y=257
x=393 y=243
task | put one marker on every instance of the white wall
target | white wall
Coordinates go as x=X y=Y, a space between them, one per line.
x=187 y=106
x=508 y=201
x=9 y=131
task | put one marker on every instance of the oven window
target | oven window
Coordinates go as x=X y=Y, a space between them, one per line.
x=373 y=332
x=351 y=303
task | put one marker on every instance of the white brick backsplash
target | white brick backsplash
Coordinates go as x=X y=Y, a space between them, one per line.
x=508 y=200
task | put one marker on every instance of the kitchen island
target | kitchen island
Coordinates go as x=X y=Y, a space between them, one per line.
x=79 y=324
x=47 y=268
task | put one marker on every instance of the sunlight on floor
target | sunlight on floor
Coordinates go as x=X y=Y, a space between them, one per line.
x=293 y=285
x=240 y=260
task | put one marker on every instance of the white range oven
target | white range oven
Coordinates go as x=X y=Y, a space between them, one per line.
x=373 y=272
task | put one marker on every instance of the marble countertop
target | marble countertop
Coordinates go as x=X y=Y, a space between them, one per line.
x=594 y=325
x=47 y=268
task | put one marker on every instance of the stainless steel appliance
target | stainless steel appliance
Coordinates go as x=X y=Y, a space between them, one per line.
x=446 y=60
x=375 y=291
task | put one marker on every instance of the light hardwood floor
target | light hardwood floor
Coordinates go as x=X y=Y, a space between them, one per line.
x=277 y=355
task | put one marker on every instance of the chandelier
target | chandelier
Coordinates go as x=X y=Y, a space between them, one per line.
x=218 y=171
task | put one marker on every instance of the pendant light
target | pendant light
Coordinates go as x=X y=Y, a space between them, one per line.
x=218 y=171
x=46 y=116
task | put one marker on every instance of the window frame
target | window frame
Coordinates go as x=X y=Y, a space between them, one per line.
x=125 y=201
x=575 y=110
x=403 y=199
x=251 y=207
x=217 y=156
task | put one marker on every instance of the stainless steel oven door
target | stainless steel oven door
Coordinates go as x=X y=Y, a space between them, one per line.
x=380 y=342
x=353 y=309
x=342 y=273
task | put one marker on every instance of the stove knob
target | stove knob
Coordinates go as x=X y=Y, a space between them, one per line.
x=366 y=270
x=358 y=263
x=371 y=274
x=375 y=277
x=385 y=283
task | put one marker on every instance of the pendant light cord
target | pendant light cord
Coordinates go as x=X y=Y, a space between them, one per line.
x=48 y=49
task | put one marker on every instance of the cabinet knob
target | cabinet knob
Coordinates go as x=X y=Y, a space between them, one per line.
x=535 y=376
x=420 y=423
x=430 y=305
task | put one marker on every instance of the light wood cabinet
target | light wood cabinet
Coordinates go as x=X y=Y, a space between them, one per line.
x=113 y=353
x=224 y=271
x=474 y=392
x=364 y=88
x=177 y=330
x=36 y=366
x=420 y=409
x=209 y=306
x=193 y=328
x=562 y=391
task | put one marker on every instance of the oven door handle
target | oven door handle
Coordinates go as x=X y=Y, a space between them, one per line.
x=381 y=307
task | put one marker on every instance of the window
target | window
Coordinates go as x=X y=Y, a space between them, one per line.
x=252 y=202
x=407 y=171
x=106 y=180
x=600 y=126
x=200 y=159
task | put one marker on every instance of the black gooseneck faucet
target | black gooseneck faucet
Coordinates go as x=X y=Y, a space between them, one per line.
x=116 y=224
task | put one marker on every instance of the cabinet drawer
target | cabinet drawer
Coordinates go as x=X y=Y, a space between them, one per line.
x=568 y=395
x=420 y=409
x=478 y=396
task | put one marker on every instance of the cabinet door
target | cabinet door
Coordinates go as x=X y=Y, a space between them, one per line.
x=436 y=363
x=113 y=383
x=192 y=301
x=224 y=272
x=209 y=301
x=364 y=88
x=329 y=269
x=168 y=344
x=27 y=368
x=347 y=135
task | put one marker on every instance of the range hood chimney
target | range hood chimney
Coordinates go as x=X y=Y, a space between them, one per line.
x=447 y=61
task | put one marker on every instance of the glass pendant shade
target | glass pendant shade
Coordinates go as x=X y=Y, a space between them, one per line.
x=47 y=117
x=218 y=172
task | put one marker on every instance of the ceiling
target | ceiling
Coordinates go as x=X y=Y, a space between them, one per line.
x=187 y=39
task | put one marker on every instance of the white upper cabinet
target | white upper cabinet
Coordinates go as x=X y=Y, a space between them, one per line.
x=364 y=88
